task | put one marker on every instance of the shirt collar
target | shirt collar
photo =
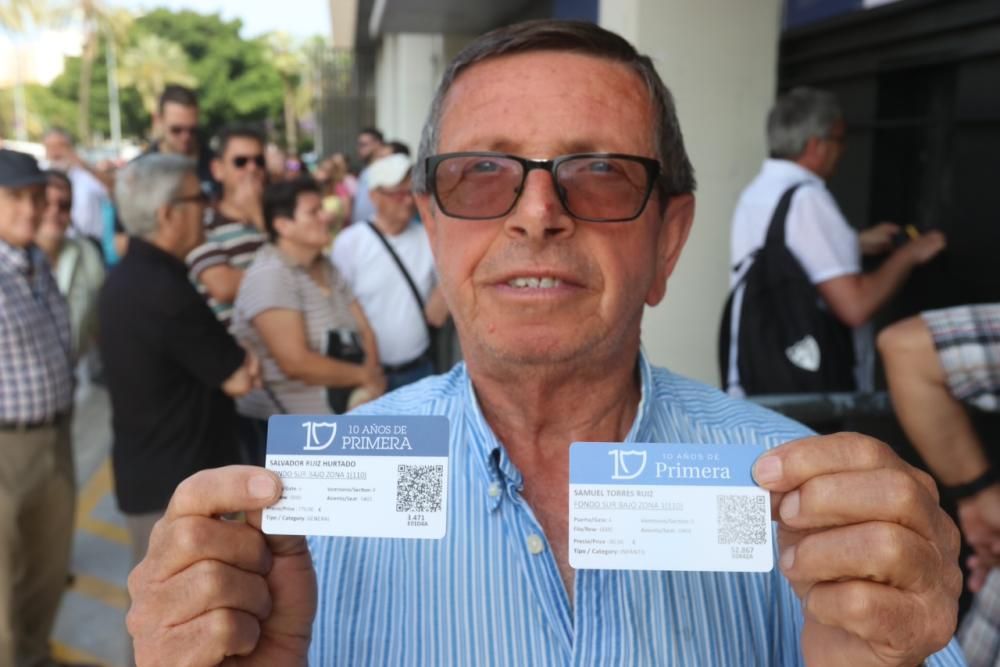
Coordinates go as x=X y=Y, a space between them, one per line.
x=18 y=259
x=492 y=461
x=791 y=170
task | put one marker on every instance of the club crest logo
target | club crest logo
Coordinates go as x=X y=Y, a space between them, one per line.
x=314 y=435
x=629 y=463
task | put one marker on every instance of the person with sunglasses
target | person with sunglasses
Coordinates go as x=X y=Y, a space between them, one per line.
x=234 y=225
x=76 y=263
x=557 y=195
x=176 y=126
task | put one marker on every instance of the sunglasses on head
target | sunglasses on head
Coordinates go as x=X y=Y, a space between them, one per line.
x=241 y=161
x=182 y=129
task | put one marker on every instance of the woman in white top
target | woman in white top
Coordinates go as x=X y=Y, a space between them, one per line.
x=289 y=303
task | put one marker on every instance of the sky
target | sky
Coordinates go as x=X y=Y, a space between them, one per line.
x=299 y=18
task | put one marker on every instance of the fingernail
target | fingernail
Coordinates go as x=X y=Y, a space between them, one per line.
x=767 y=469
x=261 y=486
x=787 y=559
x=789 y=506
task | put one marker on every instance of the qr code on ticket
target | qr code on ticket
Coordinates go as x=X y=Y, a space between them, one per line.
x=743 y=519
x=418 y=488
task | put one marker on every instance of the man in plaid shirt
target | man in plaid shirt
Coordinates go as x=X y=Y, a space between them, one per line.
x=37 y=489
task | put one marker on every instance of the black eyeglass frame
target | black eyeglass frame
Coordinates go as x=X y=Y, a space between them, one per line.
x=651 y=165
x=242 y=161
x=199 y=198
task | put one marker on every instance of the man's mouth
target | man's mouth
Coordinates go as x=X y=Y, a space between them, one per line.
x=533 y=282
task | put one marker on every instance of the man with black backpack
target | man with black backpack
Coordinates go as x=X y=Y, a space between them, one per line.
x=797 y=288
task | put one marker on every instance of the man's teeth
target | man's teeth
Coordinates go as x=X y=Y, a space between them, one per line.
x=535 y=283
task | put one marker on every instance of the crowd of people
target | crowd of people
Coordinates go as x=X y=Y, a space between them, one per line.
x=222 y=285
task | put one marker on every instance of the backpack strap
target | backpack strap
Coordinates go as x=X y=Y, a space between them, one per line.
x=406 y=274
x=776 y=228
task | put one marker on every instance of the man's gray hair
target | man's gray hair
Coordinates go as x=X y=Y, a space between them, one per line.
x=677 y=175
x=798 y=116
x=145 y=185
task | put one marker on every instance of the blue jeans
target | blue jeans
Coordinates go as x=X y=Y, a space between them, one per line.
x=397 y=380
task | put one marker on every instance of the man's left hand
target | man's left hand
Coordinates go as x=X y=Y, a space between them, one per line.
x=867 y=548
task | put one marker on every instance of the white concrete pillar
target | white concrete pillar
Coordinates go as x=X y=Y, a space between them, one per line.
x=719 y=58
x=407 y=71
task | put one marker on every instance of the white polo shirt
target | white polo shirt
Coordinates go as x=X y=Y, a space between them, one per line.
x=815 y=231
x=381 y=289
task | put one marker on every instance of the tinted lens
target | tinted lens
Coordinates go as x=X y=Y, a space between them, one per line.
x=241 y=161
x=182 y=129
x=603 y=188
x=478 y=186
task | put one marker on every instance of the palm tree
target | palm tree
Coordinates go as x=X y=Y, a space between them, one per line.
x=151 y=64
x=99 y=19
x=288 y=61
x=15 y=17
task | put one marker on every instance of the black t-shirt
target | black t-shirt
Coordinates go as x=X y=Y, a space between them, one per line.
x=165 y=356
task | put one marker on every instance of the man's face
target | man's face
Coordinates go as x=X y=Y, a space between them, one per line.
x=57 y=150
x=179 y=125
x=20 y=214
x=833 y=148
x=394 y=205
x=367 y=145
x=600 y=275
x=242 y=160
x=56 y=215
x=187 y=213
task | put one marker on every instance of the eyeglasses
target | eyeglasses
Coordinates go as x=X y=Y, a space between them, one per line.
x=241 y=161
x=594 y=187
x=199 y=198
x=182 y=129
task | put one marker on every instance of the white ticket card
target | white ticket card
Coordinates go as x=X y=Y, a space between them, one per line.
x=359 y=476
x=667 y=507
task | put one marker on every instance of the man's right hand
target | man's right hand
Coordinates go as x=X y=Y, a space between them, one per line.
x=212 y=591
x=926 y=247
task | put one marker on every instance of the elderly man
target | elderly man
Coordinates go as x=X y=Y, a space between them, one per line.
x=387 y=262
x=76 y=263
x=171 y=367
x=37 y=488
x=805 y=136
x=557 y=196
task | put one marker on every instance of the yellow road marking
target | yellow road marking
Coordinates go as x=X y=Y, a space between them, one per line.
x=103 y=591
x=98 y=486
x=66 y=653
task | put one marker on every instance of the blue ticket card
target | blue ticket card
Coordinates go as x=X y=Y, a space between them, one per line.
x=667 y=507
x=359 y=476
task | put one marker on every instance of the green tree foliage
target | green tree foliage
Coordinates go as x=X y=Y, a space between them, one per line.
x=135 y=122
x=236 y=78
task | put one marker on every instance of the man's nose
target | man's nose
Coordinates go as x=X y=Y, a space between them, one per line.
x=539 y=214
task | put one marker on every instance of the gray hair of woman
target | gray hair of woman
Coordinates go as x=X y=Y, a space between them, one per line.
x=147 y=184
x=798 y=116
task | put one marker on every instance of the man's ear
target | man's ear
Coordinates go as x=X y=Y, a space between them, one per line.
x=216 y=167
x=675 y=225
x=281 y=224
x=426 y=209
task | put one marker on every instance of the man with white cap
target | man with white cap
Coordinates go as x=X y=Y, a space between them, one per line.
x=387 y=261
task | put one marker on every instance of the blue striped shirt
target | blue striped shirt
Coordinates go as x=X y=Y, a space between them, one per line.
x=481 y=597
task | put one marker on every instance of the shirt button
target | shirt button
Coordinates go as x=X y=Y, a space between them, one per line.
x=494 y=490
x=536 y=544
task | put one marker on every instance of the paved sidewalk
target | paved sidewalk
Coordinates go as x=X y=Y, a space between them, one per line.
x=91 y=623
